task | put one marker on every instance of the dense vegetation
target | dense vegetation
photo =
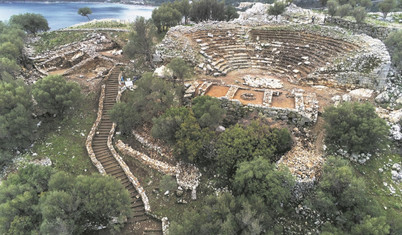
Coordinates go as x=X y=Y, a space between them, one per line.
x=170 y=14
x=356 y=128
x=30 y=22
x=394 y=45
x=40 y=200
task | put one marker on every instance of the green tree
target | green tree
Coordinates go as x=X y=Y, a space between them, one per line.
x=230 y=13
x=55 y=95
x=180 y=69
x=332 y=6
x=152 y=98
x=226 y=214
x=355 y=127
x=165 y=126
x=125 y=116
x=394 y=45
x=208 y=111
x=342 y=198
x=238 y=144
x=16 y=123
x=36 y=200
x=19 y=197
x=277 y=9
x=85 y=11
x=30 y=22
x=372 y=226
x=386 y=6
x=86 y=203
x=184 y=7
x=191 y=140
x=205 y=10
x=344 y=10
x=359 y=13
x=259 y=177
x=140 y=42
x=8 y=68
x=165 y=17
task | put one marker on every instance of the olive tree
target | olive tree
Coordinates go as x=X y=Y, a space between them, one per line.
x=85 y=11
x=277 y=9
x=30 y=22
x=386 y=6
x=355 y=127
x=55 y=95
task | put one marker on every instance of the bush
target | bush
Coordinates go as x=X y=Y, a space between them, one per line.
x=208 y=111
x=277 y=9
x=16 y=122
x=166 y=126
x=355 y=127
x=359 y=13
x=55 y=95
x=30 y=22
x=394 y=45
x=343 y=199
x=344 y=10
x=332 y=7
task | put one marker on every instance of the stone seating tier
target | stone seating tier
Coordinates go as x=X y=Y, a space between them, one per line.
x=289 y=52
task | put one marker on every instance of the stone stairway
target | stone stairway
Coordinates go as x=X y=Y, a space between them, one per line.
x=111 y=165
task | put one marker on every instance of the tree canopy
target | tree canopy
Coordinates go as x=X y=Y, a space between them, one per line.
x=342 y=198
x=85 y=11
x=55 y=95
x=16 y=122
x=30 y=22
x=355 y=127
x=238 y=144
x=208 y=111
x=277 y=9
x=39 y=200
x=386 y=6
x=166 y=16
x=140 y=42
x=152 y=98
x=394 y=45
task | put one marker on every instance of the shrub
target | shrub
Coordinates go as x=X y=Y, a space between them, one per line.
x=355 y=127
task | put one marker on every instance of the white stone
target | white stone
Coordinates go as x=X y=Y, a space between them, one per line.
x=163 y=72
x=382 y=97
x=361 y=93
x=399 y=100
x=395 y=116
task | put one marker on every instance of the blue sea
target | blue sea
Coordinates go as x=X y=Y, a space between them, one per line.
x=61 y=15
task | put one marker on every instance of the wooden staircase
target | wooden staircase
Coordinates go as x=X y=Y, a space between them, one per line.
x=112 y=167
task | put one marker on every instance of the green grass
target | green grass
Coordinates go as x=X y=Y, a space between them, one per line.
x=51 y=40
x=375 y=181
x=63 y=140
x=103 y=24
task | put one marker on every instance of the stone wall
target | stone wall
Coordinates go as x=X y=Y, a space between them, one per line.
x=124 y=166
x=287 y=114
x=143 y=158
x=374 y=31
x=91 y=134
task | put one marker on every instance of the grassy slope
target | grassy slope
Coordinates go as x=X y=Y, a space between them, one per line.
x=63 y=140
x=375 y=181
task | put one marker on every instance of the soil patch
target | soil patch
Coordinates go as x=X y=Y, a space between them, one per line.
x=257 y=94
x=217 y=91
x=283 y=101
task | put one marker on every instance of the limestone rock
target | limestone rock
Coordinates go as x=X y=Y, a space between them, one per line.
x=382 y=98
x=361 y=93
